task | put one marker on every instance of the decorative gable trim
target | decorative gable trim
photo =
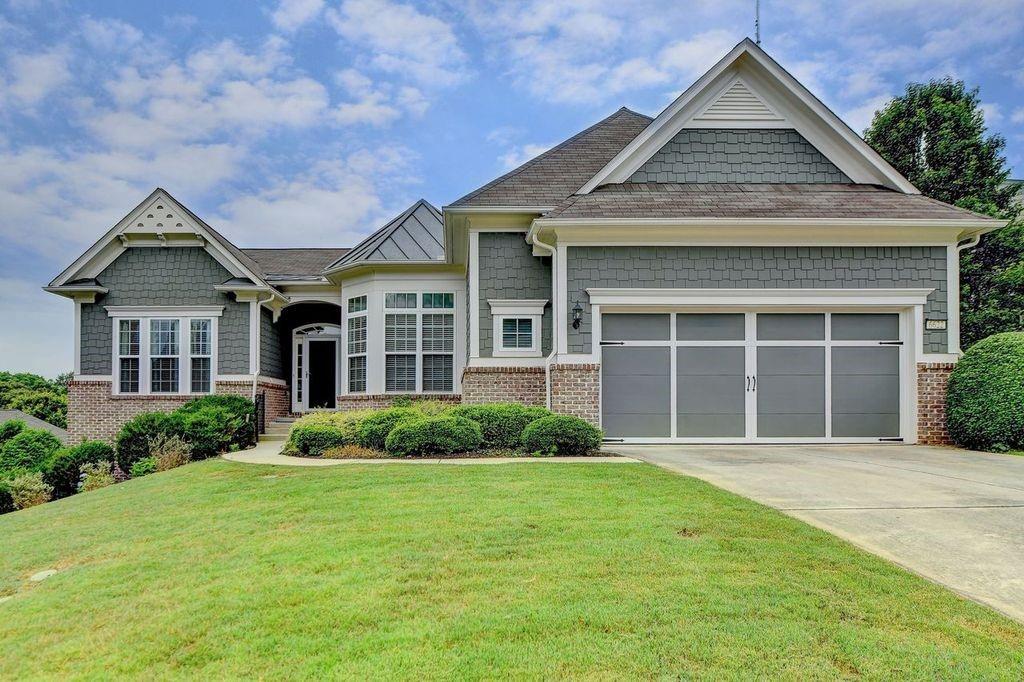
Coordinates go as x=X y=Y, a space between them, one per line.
x=738 y=107
x=781 y=94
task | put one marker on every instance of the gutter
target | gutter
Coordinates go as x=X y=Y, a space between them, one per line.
x=531 y=238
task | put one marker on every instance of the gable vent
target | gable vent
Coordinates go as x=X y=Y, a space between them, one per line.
x=738 y=104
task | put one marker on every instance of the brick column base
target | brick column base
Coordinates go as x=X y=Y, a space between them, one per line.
x=576 y=390
x=523 y=385
x=932 y=379
x=347 y=403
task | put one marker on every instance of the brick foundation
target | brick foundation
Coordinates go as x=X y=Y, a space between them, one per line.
x=523 y=385
x=932 y=379
x=378 y=401
x=94 y=413
x=576 y=390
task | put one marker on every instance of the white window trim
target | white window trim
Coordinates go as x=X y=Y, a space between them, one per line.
x=419 y=311
x=349 y=316
x=502 y=309
x=144 y=315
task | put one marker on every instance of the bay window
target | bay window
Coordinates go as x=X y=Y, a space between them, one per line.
x=357 y=316
x=419 y=342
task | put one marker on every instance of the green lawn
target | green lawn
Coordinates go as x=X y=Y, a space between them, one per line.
x=545 y=570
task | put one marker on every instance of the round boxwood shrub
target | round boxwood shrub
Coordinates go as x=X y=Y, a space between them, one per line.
x=433 y=436
x=209 y=430
x=985 y=396
x=374 y=429
x=64 y=470
x=239 y=427
x=136 y=433
x=11 y=428
x=28 y=450
x=313 y=439
x=561 y=434
x=501 y=423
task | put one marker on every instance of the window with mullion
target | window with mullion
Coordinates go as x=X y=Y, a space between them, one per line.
x=129 y=349
x=356 y=347
x=438 y=351
x=400 y=337
x=517 y=333
x=201 y=355
x=163 y=355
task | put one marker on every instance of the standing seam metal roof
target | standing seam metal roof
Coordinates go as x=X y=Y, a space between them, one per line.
x=415 y=235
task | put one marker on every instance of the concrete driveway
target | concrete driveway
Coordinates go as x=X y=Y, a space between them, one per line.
x=953 y=516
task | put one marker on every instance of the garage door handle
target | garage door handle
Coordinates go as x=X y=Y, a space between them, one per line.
x=754 y=387
x=751 y=383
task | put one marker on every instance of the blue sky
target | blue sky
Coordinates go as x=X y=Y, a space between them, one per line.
x=310 y=122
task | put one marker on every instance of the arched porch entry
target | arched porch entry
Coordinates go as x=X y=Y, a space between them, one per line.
x=311 y=345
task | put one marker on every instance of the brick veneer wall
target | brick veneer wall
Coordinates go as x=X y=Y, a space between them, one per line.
x=504 y=384
x=381 y=400
x=576 y=390
x=932 y=380
x=94 y=413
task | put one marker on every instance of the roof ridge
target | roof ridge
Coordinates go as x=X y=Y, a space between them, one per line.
x=561 y=145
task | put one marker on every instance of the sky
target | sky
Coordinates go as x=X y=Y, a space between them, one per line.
x=311 y=122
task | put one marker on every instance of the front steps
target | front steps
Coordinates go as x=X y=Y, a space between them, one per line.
x=277 y=430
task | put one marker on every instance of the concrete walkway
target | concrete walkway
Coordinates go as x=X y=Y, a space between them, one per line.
x=269 y=452
x=953 y=516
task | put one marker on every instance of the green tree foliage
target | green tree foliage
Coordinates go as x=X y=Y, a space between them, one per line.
x=935 y=135
x=35 y=395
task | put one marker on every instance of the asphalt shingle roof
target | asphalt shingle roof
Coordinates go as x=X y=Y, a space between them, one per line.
x=34 y=423
x=651 y=200
x=549 y=178
x=294 y=263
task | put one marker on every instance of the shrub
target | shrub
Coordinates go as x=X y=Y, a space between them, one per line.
x=209 y=430
x=95 y=476
x=143 y=467
x=6 y=500
x=170 y=452
x=432 y=408
x=985 y=397
x=30 y=450
x=319 y=431
x=501 y=423
x=433 y=436
x=136 y=433
x=42 y=404
x=561 y=434
x=29 y=489
x=351 y=451
x=374 y=429
x=10 y=429
x=64 y=469
x=240 y=428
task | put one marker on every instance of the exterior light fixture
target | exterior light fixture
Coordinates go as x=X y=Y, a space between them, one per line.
x=577 y=315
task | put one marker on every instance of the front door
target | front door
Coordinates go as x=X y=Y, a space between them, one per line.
x=322 y=373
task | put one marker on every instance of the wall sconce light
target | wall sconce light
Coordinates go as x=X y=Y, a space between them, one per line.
x=577 y=315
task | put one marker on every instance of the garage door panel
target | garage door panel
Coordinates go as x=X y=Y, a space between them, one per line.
x=790 y=326
x=635 y=393
x=710 y=395
x=710 y=361
x=866 y=360
x=635 y=327
x=710 y=327
x=866 y=425
x=791 y=361
x=865 y=393
x=637 y=425
x=791 y=425
x=791 y=394
x=865 y=326
x=711 y=426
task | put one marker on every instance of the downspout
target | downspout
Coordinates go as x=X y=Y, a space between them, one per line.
x=259 y=349
x=555 y=324
x=968 y=243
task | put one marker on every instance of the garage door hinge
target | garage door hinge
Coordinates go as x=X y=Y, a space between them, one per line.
x=890 y=343
x=613 y=343
x=891 y=440
x=612 y=440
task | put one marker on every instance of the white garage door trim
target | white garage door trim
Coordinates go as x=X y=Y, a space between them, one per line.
x=908 y=303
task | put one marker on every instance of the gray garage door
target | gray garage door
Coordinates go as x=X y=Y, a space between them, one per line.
x=751 y=376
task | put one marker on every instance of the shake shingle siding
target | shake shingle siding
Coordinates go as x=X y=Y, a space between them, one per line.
x=713 y=156
x=755 y=267
x=509 y=270
x=271 y=362
x=170 y=277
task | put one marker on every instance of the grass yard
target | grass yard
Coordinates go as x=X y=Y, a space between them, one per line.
x=220 y=569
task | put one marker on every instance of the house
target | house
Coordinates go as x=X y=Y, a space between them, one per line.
x=743 y=267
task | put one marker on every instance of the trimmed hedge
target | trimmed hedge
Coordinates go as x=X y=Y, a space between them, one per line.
x=63 y=471
x=29 y=450
x=136 y=433
x=375 y=428
x=502 y=424
x=10 y=429
x=985 y=396
x=209 y=430
x=561 y=434
x=320 y=431
x=239 y=426
x=442 y=435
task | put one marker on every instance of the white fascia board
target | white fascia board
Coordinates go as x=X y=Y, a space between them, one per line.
x=829 y=298
x=507 y=306
x=78 y=293
x=164 y=311
x=496 y=209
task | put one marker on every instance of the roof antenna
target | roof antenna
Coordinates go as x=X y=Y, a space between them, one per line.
x=757 y=21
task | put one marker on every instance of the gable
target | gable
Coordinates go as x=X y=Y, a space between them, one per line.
x=414 y=236
x=748 y=90
x=717 y=155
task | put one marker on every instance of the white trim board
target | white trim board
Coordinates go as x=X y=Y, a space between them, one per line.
x=758 y=297
x=164 y=311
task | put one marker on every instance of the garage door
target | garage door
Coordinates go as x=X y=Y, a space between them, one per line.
x=751 y=376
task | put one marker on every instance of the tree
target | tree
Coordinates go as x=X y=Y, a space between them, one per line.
x=935 y=135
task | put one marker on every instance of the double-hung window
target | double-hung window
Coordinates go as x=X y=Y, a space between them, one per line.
x=158 y=354
x=419 y=342
x=357 y=344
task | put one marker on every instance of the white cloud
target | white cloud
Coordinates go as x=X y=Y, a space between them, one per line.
x=375 y=103
x=293 y=14
x=690 y=58
x=402 y=40
x=859 y=117
x=1018 y=115
x=110 y=34
x=519 y=155
x=32 y=77
x=993 y=113
x=47 y=348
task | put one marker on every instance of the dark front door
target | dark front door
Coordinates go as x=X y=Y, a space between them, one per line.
x=322 y=373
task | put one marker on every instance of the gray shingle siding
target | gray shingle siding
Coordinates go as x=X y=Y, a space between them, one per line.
x=710 y=155
x=271 y=362
x=165 y=276
x=509 y=270
x=755 y=267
